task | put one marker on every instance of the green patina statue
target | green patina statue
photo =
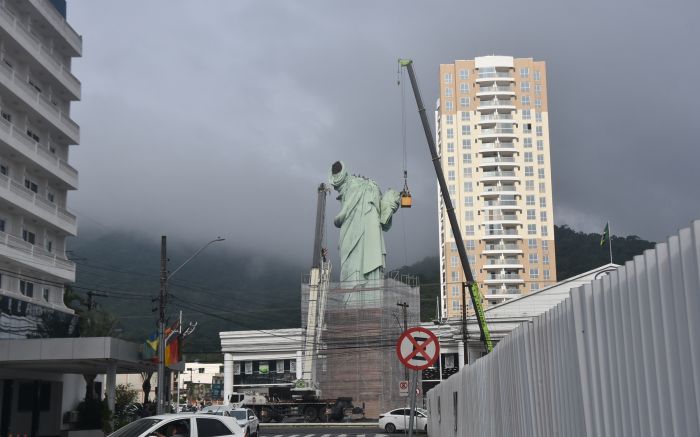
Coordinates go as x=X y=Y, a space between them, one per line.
x=364 y=214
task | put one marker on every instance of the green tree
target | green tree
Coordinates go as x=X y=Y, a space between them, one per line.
x=125 y=395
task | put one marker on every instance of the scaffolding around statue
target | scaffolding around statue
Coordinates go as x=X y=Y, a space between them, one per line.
x=357 y=336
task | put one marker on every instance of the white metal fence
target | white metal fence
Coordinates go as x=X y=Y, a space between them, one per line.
x=619 y=357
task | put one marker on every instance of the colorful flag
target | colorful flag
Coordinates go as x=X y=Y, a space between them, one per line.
x=150 y=348
x=606 y=236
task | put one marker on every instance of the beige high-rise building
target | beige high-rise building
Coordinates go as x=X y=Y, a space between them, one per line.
x=493 y=139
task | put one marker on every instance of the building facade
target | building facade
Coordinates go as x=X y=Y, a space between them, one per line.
x=37 y=88
x=493 y=139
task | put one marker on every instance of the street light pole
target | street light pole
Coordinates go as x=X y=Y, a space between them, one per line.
x=164 y=277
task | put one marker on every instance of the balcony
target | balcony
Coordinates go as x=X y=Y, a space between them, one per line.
x=502 y=204
x=17 y=194
x=502 y=248
x=59 y=24
x=496 y=190
x=507 y=133
x=504 y=234
x=493 y=104
x=503 y=161
x=508 y=278
x=495 y=90
x=503 y=219
x=15 y=138
x=495 y=77
x=507 y=263
x=44 y=55
x=497 y=147
x=35 y=257
x=38 y=103
x=493 y=176
x=496 y=117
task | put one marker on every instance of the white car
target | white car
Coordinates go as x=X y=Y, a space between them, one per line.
x=398 y=420
x=182 y=425
x=245 y=417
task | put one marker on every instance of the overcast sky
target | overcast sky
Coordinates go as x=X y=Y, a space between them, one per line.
x=206 y=118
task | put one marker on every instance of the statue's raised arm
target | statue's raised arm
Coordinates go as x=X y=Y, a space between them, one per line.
x=363 y=215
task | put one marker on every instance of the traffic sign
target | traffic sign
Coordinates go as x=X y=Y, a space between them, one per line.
x=417 y=348
x=403 y=388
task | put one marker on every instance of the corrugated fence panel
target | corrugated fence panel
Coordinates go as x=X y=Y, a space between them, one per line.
x=619 y=357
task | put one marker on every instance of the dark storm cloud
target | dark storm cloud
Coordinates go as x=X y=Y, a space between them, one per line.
x=221 y=117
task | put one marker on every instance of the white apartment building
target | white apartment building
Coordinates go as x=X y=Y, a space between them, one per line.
x=36 y=132
x=493 y=138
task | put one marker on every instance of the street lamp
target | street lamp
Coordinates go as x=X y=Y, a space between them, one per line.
x=164 y=277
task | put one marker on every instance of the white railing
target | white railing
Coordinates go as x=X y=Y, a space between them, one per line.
x=619 y=357
x=36 y=151
x=501 y=203
x=495 y=102
x=502 y=247
x=497 y=160
x=495 y=89
x=491 y=146
x=36 y=253
x=31 y=197
x=495 y=117
x=59 y=23
x=490 y=174
x=492 y=74
x=44 y=54
x=34 y=97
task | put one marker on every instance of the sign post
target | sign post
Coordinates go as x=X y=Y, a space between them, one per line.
x=417 y=349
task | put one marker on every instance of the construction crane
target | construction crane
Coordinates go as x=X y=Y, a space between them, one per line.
x=454 y=224
x=319 y=280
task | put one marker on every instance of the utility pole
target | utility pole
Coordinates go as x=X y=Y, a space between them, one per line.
x=161 y=324
x=404 y=307
x=464 y=323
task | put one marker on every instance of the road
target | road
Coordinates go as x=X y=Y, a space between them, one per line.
x=331 y=431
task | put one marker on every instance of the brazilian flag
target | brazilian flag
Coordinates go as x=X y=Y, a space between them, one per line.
x=606 y=235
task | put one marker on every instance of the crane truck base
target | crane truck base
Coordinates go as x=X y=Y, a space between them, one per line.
x=324 y=410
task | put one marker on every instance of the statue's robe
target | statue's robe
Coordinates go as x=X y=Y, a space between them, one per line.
x=363 y=216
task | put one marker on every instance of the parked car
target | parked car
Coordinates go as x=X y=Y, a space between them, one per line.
x=245 y=417
x=398 y=420
x=182 y=425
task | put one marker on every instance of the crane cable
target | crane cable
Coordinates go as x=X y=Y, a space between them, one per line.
x=400 y=82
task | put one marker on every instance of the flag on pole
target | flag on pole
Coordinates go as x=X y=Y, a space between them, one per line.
x=605 y=238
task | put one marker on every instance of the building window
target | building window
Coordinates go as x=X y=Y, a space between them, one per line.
x=451 y=161
x=448 y=77
x=453 y=261
x=452 y=190
x=455 y=276
x=455 y=291
x=33 y=136
x=542 y=187
x=455 y=305
x=532 y=229
x=5 y=170
x=236 y=368
x=545 y=274
x=26 y=288
x=451 y=175
x=450 y=133
x=2 y=225
x=527 y=128
x=466 y=158
x=467 y=172
x=248 y=367
x=545 y=244
x=28 y=236
x=532 y=258
x=450 y=147
x=449 y=119
x=526 y=100
x=453 y=247
x=540 y=159
x=544 y=230
x=6 y=116
x=279 y=366
x=534 y=273
x=538 y=117
x=448 y=92
x=529 y=171
x=449 y=106
x=51 y=197
x=465 y=129
x=471 y=259
x=527 y=142
x=532 y=243
x=464 y=74
x=526 y=114
x=464 y=102
x=49 y=246
x=538 y=89
x=536 y=74
x=201 y=370
x=528 y=156
x=31 y=185
x=469 y=230
x=46 y=294
x=469 y=216
x=529 y=185
x=543 y=216
x=538 y=131
x=525 y=87
x=545 y=260
x=468 y=187
x=467 y=144
x=468 y=201
x=540 y=145
x=540 y=173
x=531 y=214
x=538 y=103
x=470 y=245
x=524 y=72
x=530 y=200
x=463 y=88
x=465 y=116
x=534 y=286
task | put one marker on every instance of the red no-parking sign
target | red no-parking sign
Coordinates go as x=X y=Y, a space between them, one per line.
x=418 y=348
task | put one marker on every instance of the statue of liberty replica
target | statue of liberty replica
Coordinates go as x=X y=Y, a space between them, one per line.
x=364 y=214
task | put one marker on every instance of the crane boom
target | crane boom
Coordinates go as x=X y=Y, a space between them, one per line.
x=454 y=224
